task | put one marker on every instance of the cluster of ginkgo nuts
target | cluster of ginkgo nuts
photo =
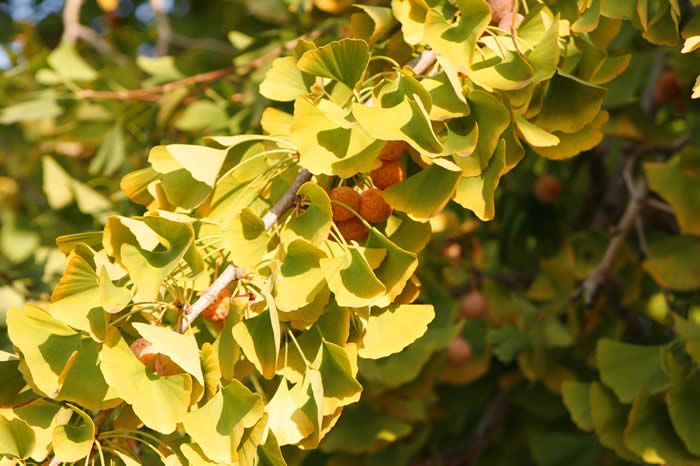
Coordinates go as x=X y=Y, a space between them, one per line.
x=144 y=351
x=369 y=203
x=474 y=306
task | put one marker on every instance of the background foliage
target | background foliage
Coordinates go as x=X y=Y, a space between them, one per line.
x=520 y=306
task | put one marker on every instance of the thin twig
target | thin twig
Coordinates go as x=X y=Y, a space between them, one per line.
x=422 y=62
x=659 y=205
x=590 y=285
x=73 y=30
x=207 y=298
x=165 y=32
x=154 y=93
x=287 y=200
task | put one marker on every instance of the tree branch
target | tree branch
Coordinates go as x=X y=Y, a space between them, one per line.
x=155 y=92
x=165 y=32
x=286 y=202
x=422 y=62
x=207 y=298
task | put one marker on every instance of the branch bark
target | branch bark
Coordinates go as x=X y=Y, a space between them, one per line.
x=286 y=202
x=154 y=93
x=207 y=298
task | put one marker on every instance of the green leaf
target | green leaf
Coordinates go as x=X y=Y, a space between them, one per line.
x=569 y=104
x=407 y=104
x=368 y=429
x=610 y=420
x=510 y=70
x=684 y=408
x=246 y=239
x=74 y=442
x=247 y=450
x=188 y=172
x=650 y=433
x=456 y=40
x=269 y=453
x=18 y=239
x=160 y=402
x=276 y=122
x=571 y=144
x=149 y=248
x=344 y=60
x=12 y=379
x=69 y=65
x=390 y=330
x=286 y=420
x=351 y=279
x=218 y=426
x=259 y=341
x=577 y=398
x=225 y=346
x=447 y=102
x=508 y=342
x=300 y=277
x=395 y=268
x=629 y=369
x=476 y=193
x=674 y=262
x=314 y=224
x=43 y=417
x=534 y=135
x=85 y=383
x=331 y=147
x=424 y=194
x=340 y=388
x=16 y=438
x=202 y=115
x=76 y=300
x=284 y=81
x=372 y=24
x=112 y=154
x=163 y=69
x=681 y=189
x=181 y=349
x=43 y=107
x=559 y=448
x=49 y=347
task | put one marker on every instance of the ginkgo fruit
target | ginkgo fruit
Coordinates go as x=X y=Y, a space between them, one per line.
x=474 y=305
x=144 y=351
x=373 y=207
x=669 y=90
x=344 y=195
x=452 y=250
x=392 y=150
x=459 y=351
x=389 y=173
x=165 y=366
x=353 y=229
x=547 y=189
x=507 y=21
x=218 y=310
x=499 y=9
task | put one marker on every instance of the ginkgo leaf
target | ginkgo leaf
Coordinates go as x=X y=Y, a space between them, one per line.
x=160 y=402
x=314 y=224
x=344 y=60
x=16 y=438
x=286 y=420
x=182 y=349
x=351 y=279
x=73 y=442
x=218 y=426
x=284 y=80
x=476 y=193
x=259 y=341
x=390 y=330
x=49 y=347
x=424 y=194
x=300 y=277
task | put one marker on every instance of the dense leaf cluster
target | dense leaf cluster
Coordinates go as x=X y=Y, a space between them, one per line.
x=235 y=321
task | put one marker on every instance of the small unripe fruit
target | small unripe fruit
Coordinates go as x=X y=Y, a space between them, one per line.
x=474 y=306
x=669 y=89
x=165 y=366
x=452 y=250
x=390 y=173
x=499 y=9
x=392 y=150
x=459 y=351
x=547 y=189
x=373 y=207
x=347 y=196
x=218 y=310
x=353 y=229
x=144 y=351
